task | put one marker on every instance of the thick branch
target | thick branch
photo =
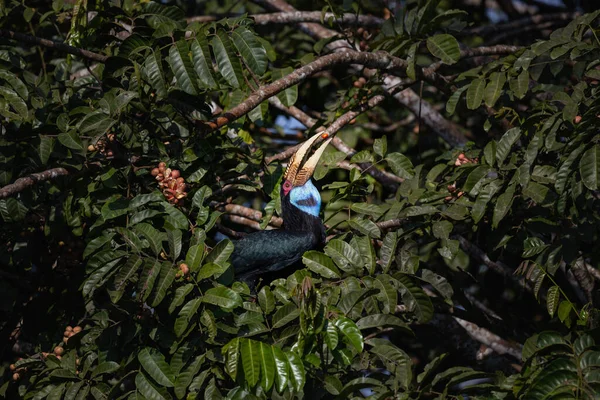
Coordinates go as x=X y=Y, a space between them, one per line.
x=302 y=16
x=378 y=60
x=520 y=23
x=23 y=183
x=490 y=339
x=52 y=44
x=434 y=120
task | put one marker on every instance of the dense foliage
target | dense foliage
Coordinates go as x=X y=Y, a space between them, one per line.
x=452 y=268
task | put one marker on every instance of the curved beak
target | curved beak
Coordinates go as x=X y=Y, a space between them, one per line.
x=297 y=173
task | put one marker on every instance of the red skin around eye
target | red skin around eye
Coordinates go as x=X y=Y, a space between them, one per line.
x=287 y=186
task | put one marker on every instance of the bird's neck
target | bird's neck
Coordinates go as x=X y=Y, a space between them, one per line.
x=295 y=219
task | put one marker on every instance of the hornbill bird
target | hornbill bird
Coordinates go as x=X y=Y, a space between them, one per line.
x=303 y=230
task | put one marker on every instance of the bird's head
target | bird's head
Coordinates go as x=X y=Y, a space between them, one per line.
x=297 y=186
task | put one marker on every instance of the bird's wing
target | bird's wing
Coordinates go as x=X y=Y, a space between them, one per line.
x=267 y=251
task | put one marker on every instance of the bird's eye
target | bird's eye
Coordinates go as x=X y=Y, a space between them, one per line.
x=287 y=185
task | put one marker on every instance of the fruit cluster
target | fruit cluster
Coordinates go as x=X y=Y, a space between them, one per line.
x=462 y=159
x=17 y=371
x=70 y=331
x=184 y=271
x=103 y=145
x=171 y=183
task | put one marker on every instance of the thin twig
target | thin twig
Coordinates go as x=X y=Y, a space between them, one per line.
x=52 y=44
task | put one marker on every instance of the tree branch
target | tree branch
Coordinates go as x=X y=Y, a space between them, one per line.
x=379 y=60
x=490 y=339
x=52 y=44
x=386 y=178
x=23 y=183
x=300 y=16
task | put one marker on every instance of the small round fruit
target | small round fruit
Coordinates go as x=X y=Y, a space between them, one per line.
x=461 y=156
x=110 y=153
x=357 y=84
x=61 y=243
x=162 y=165
x=325 y=135
x=91 y=147
x=16 y=376
x=362 y=80
x=69 y=328
x=12 y=367
x=77 y=329
x=65 y=340
x=175 y=174
x=577 y=119
x=185 y=269
x=67 y=333
x=180 y=180
x=155 y=172
x=59 y=351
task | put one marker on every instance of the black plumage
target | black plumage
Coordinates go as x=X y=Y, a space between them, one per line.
x=270 y=251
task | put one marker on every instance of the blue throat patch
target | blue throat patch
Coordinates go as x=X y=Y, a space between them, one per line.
x=307 y=198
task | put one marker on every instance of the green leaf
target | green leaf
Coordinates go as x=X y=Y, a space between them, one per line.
x=444 y=47
x=220 y=253
x=388 y=250
x=70 y=140
x=475 y=93
x=147 y=278
x=454 y=98
x=366 y=227
x=185 y=315
x=320 y=264
x=505 y=144
x=552 y=299
x=222 y=297
x=153 y=236
x=414 y=298
x=185 y=378
x=388 y=295
x=565 y=169
x=194 y=257
x=148 y=390
x=250 y=351
x=95 y=124
x=380 y=146
x=203 y=62
x=368 y=209
x=297 y=374
x=107 y=367
x=181 y=65
x=345 y=257
x=381 y=320
x=397 y=361
x=351 y=332
x=174 y=236
x=282 y=368
x=401 y=165
x=493 y=90
x=331 y=336
x=210 y=269
x=266 y=300
x=503 y=205
x=167 y=275
x=15 y=101
x=589 y=168
x=97 y=243
x=180 y=294
x=251 y=49
x=267 y=366
x=227 y=61
x=155 y=365
x=290 y=95
x=285 y=315
x=127 y=271
x=17 y=84
x=153 y=69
